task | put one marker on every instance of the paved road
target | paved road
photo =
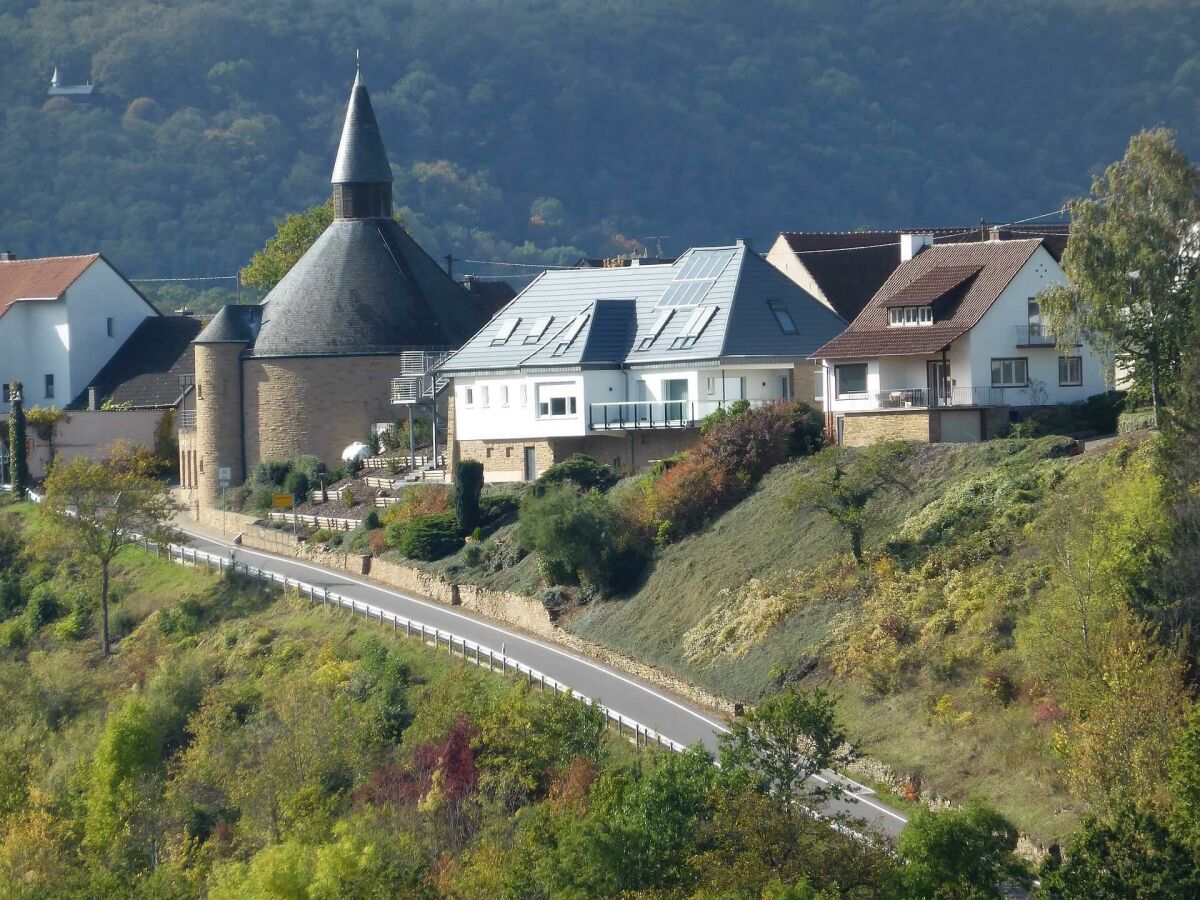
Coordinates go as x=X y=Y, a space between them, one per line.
x=669 y=715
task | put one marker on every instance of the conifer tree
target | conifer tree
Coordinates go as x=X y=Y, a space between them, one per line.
x=18 y=464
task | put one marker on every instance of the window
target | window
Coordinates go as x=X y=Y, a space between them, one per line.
x=469 y=397
x=504 y=395
x=1010 y=372
x=1070 y=370
x=538 y=329
x=5 y=389
x=108 y=326
x=819 y=390
x=484 y=396
x=712 y=386
x=694 y=328
x=783 y=317
x=505 y=331
x=524 y=395
x=49 y=387
x=571 y=332
x=556 y=401
x=785 y=387
x=660 y=323
x=910 y=315
x=851 y=379
x=508 y=452
x=489 y=452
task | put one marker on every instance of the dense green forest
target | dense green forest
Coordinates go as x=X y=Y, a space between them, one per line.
x=539 y=131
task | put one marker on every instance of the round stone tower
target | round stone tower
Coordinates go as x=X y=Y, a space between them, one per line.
x=219 y=350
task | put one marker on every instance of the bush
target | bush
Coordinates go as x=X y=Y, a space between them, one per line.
x=472 y=554
x=724 y=414
x=272 y=472
x=14 y=634
x=74 y=626
x=123 y=622
x=426 y=537
x=321 y=535
x=579 y=469
x=378 y=542
x=418 y=500
x=495 y=507
x=371 y=520
x=348 y=498
x=1135 y=420
x=468 y=483
x=11 y=599
x=296 y=484
x=43 y=606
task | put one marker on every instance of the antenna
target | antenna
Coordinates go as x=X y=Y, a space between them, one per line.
x=658 y=238
x=357 y=62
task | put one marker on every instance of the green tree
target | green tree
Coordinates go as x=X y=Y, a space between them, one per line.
x=18 y=464
x=1133 y=854
x=1184 y=782
x=294 y=234
x=1133 y=261
x=574 y=535
x=958 y=854
x=782 y=743
x=842 y=483
x=468 y=484
x=97 y=509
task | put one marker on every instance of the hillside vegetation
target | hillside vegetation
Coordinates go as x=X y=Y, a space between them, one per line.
x=538 y=132
x=956 y=647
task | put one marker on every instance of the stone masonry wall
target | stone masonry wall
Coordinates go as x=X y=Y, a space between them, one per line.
x=218 y=418
x=862 y=430
x=505 y=460
x=314 y=405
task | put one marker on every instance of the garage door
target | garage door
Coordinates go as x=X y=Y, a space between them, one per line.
x=960 y=426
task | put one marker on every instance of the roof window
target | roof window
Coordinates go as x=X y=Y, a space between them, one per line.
x=538 y=329
x=505 y=331
x=567 y=338
x=786 y=324
x=663 y=318
x=694 y=328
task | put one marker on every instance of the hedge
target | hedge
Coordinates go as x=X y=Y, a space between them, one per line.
x=1135 y=420
x=426 y=537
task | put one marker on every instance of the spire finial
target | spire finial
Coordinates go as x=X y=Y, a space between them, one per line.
x=357 y=62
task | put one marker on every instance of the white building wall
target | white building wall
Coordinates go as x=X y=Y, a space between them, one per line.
x=492 y=419
x=97 y=295
x=33 y=343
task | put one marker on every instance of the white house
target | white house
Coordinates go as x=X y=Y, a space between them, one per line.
x=624 y=363
x=950 y=344
x=61 y=319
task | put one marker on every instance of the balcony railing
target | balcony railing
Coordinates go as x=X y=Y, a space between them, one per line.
x=644 y=414
x=1034 y=336
x=187 y=418
x=922 y=398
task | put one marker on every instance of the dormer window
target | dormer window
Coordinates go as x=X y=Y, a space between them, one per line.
x=910 y=315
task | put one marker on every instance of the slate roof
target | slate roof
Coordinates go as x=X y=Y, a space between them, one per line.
x=963 y=300
x=361 y=158
x=145 y=371
x=363 y=287
x=850 y=279
x=233 y=324
x=622 y=311
x=40 y=279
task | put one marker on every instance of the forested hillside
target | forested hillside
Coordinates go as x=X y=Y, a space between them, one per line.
x=538 y=131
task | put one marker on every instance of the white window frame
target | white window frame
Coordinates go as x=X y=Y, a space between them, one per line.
x=469 y=397
x=485 y=398
x=837 y=381
x=819 y=391
x=505 y=330
x=910 y=316
x=504 y=395
x=1010 y=380
x=538 y=329
x=524 y=395
x=1077 y=362
x=547 y=394
x=48 y=385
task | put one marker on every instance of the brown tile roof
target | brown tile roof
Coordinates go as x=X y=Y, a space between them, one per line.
x=39 y=279
x=850 y=279
x=933 y=285
x=996 y=263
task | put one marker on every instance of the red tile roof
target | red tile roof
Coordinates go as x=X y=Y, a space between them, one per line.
x=939 y=266
x=39 y=279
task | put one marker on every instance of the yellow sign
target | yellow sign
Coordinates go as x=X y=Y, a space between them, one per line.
x=282 y=501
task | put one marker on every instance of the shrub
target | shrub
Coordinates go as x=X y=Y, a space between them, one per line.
x=43 y=606
x=555 y=600
x=998 y=685
x=495 y=507
x=724 y=414
x=123 y=623
x=10 y=595
x=371 y=520
x=1135 y=420
x=74 y=626
x=321 y=535
x=296 y=483
x=579 y=469
x=473 y=554
x=348 y=498
x=418 y=500
x=14 y=634
x=377 y=541
x=1029 y=428
x=272 y=471
x=468 y=483
x=426 y=537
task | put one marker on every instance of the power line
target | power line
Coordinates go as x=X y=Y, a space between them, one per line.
x=498 y=262
x=190 y=278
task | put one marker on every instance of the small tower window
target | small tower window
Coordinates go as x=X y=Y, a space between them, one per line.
x=108 y=326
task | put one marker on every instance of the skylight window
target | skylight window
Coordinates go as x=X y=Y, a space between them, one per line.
x=783 y=317
x=694 y=328
x=505 y=331
x=538 y=329
x=663 y=318
x=570 y=333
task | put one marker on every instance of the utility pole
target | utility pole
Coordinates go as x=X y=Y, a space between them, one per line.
x=450 y=265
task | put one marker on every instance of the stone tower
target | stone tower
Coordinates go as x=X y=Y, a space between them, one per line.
x=309 y=370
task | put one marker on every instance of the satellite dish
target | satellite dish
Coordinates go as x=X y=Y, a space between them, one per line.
x=356 y=451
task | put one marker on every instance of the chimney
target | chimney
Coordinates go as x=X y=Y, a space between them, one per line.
x=745 y=242
x=994 y=233
x=7 y=256
x=92 y=406
x=912 y=244
x=183 y=311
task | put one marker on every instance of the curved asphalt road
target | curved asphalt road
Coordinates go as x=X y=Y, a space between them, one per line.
x=649 y=705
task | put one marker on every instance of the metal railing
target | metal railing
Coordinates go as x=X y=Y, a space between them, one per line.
x=1034 y=336
x=470 y=651
x=187 y=418
x=922 y=398
x=640 y=414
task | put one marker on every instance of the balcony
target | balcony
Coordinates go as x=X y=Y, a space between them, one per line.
x=922 y=398
x=187 y=418
x=1034 y=336
x=657 y=414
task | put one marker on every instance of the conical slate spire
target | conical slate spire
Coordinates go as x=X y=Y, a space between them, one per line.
x=361 y=158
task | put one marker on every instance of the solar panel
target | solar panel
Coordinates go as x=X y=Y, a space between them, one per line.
x=697 y=275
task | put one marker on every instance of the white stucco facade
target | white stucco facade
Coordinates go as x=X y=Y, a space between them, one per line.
x=68 y=338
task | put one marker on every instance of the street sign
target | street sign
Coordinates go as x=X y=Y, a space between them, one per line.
x=282 y=501
x=224 y=475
